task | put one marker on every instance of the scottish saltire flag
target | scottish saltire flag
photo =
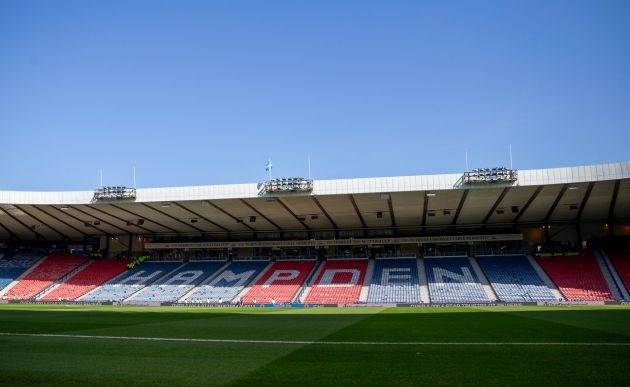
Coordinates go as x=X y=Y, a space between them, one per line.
x=268 y=166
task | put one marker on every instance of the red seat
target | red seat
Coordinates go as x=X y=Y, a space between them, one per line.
x=578 y=278
x=620 y=258
x=45 y=274
x=280 y=283
x=93 y=275
x=339 y=282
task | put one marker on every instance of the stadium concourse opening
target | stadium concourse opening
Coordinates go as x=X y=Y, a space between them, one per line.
x=487 y=236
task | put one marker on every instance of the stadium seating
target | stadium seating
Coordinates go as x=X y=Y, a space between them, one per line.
x=93 y=275
x=52 y=269
x=172 y=287
x=11 y=269
x=395 y=281
x=123 y=286
x=280 y=283
x=514 y=279
x=578 y=278
x=620 y=259
x=453 y=280
x=339 y=282
x=226 y=285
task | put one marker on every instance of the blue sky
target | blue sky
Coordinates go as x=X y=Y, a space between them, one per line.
x=204 y=92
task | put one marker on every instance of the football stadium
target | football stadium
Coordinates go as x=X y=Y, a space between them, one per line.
x=490 y=266
x=292 y=193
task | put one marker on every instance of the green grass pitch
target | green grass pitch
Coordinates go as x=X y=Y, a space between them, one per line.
x=319 y=346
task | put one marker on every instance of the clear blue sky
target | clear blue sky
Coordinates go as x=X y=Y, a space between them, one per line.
x=203 y=92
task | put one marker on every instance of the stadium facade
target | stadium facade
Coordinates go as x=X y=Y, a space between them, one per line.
x=481 y=236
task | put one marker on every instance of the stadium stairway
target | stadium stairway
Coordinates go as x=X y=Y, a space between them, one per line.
x=280 y=283
x=85 y=279
x=514 y=279
x=131 y=281
x=301 y=297
x=484 y=281
x=453 y=280
x=424 y=283
x=607 y=272
x=578 y=278
x=543 y=276
x=229 y=282
x=618 y=261
x=394 y=281
x=46 y=273
x=340 y=282
x=365 y=289
x=15 y=268
x=176 y=284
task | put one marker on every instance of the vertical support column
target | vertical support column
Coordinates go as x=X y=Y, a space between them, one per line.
x=130 y=246
x=106 y=252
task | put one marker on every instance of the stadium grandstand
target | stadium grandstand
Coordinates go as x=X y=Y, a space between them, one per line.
x=485 y=236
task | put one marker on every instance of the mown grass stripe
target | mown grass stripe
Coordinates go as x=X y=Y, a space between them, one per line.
x=306 y=342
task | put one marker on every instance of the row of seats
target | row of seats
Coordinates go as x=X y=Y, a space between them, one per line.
x=450 y=280
x=579 y=278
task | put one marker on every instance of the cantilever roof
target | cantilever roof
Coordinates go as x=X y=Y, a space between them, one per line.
x=595 y=192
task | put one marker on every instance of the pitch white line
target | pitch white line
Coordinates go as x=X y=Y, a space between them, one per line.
x=306 y=342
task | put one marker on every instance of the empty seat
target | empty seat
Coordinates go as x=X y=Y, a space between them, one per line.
x=339 y=282
x=395 y=281
x=578 y=278
x=280 y=283
x=90 y=277
x=514 y=279
x=53 y=268
x=453 y=280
